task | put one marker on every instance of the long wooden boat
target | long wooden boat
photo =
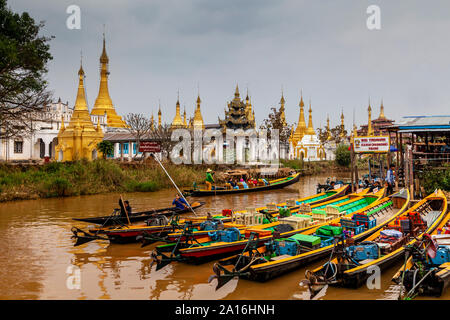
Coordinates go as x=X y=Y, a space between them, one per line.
x=203 y=232
x=426 y=273
x=209 y=249
x=116 y=218
x=158 y=231
x=272 y=185
x=348 y=271
x=272 y=259
x=128 y=234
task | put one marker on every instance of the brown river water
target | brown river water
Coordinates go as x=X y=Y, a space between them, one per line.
x=38 y=260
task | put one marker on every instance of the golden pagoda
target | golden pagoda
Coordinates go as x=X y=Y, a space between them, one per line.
x=310 y=130
x=159 y=117
x=177 y=121
x=342 y=135
x=197 y=123
x=382 y=116
x=282 y=113
x=103 y=103
x=369 y=127
x=80 y=138
x=301 y=126
x=328 y=128
x=184 y=118
x=249 y=112
x=152 y=123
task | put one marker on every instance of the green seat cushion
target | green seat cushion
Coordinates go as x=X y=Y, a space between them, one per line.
x=312 y=240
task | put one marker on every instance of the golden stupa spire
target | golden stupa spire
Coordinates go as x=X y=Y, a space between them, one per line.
x=301 y=126
x=282 y=114
x=198 y=119
x=382 y=116
x=103 y=103
x=328 y=128
x=177 y=121
x=184 y=118
x=159 y=117
x=248 y=108
x=310 y=129
x=80 y=102
x=62 y=124
x=236 y=93
x=152 y=122
x=369 y=123
x=342 y=124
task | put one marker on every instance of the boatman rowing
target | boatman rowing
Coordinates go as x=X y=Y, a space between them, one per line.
x=209 y=179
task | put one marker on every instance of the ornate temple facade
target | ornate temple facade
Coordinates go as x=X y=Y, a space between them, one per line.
x=41 y=141
x=240 y=114
x=80 y=138
x=377 y=126
x=304 y=143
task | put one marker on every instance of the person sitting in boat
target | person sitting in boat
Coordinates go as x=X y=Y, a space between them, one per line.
x=179 y=202
x=229 y=184
x=209 y=179
x=331 y=187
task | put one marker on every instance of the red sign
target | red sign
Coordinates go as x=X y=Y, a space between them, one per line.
x=147 y=146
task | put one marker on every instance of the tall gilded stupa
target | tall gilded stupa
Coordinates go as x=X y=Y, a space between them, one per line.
x=198 y=123
x=103 y=103
x=301 y=125
x=177 y=122
x=304 y=142
x=80 y=138
x=282 y=111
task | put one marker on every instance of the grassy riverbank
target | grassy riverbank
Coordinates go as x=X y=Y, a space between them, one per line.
x=56 y=179
x=318 y=167
x=84 y=178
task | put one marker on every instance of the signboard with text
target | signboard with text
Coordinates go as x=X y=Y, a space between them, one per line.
x=147 y=146
x=372 y=144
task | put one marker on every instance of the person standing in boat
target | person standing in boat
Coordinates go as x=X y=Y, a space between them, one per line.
x=209 y=179
x=179 y=202
x=127 y=207
x=390 y=180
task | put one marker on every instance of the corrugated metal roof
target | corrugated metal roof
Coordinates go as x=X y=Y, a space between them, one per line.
x=125 y=136
x=424 y=123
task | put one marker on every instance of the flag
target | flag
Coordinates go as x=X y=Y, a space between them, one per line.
x=432 y=247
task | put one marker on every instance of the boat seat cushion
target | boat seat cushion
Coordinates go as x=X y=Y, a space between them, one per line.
x=283 y=256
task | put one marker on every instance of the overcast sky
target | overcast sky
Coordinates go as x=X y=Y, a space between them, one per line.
x=157 y=47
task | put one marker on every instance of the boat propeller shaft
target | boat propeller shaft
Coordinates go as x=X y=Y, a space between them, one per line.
x=83 y=237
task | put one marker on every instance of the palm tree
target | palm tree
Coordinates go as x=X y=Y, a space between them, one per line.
x=106 y=148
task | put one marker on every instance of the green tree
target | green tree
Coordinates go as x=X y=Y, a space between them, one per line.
x=106 y=148
x=342 y=155
x=24 y=55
